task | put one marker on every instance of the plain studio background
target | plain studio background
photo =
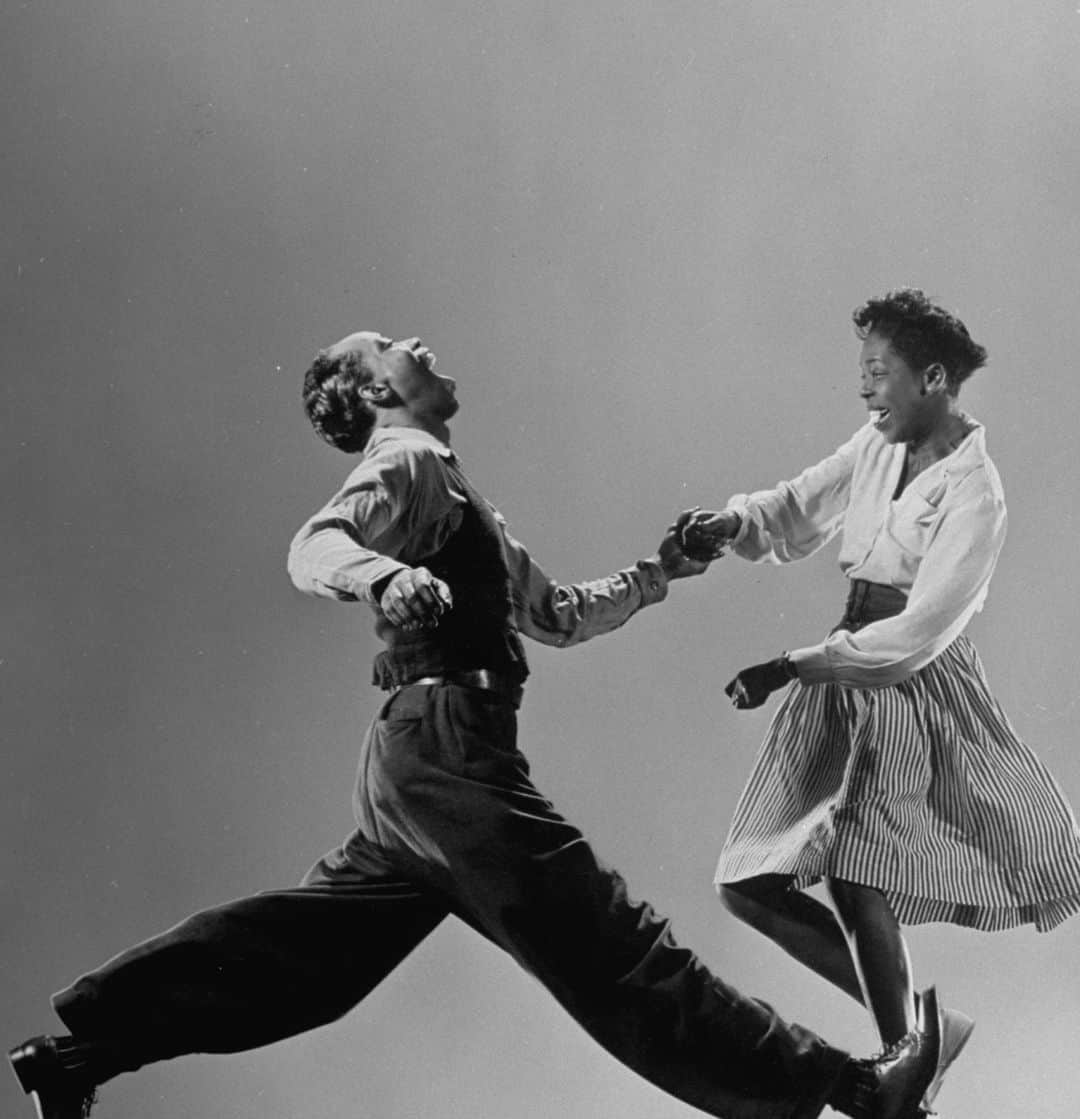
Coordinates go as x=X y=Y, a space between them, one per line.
x=635 y=233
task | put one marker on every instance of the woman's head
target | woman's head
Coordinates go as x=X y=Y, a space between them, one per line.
x=922 y=333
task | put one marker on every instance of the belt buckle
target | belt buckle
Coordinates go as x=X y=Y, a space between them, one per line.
x=484 y=678
x=488 y=680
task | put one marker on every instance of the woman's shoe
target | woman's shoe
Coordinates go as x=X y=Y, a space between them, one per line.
x=956 y=1029
x=48 y=1069
x=891 y=1084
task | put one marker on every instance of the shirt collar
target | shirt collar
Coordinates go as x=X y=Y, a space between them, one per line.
x=414 y=435
x=969 y=455
x=972 y=447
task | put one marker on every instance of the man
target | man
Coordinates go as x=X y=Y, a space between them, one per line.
x=448 y=821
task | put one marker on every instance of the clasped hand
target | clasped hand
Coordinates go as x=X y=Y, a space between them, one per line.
x=674 y=557
x=705 y=534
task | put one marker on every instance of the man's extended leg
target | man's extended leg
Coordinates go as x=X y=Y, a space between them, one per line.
x=254 y=970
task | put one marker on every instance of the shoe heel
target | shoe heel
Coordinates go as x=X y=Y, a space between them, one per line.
x=929 y=1012
x=928 y=1020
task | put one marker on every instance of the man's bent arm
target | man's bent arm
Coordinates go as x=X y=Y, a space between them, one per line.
x=367 y=533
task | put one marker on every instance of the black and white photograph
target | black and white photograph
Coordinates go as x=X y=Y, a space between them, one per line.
x=539 y=574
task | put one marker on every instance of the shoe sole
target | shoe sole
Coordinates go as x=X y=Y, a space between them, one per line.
x=953 y=1041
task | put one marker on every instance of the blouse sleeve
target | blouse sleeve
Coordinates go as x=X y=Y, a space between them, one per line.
x=798 y=517
x=949 y=588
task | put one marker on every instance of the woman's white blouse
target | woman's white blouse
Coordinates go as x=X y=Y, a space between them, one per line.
x=938 y=543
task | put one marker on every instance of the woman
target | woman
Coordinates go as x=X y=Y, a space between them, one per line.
x=889 y=771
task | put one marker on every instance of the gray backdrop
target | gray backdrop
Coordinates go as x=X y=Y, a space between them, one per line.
x=634 y=232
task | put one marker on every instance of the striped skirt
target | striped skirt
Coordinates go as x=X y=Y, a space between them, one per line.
x=922 y=789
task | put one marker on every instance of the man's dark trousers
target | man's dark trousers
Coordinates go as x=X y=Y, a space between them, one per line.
x=449 y=822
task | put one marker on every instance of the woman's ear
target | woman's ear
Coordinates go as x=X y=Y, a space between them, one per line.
x=935 y=378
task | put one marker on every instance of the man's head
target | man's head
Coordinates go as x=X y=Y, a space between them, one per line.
x=366 y=381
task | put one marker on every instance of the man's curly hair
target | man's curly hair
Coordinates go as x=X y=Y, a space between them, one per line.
x=333 y=403
x=921 y=333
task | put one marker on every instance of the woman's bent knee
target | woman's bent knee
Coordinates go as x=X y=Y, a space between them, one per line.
x=855 y=902
x=739 y=900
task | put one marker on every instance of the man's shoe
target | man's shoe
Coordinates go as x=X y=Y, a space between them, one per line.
x=956 y=1028
x=894 y=1082
x=48 y=1069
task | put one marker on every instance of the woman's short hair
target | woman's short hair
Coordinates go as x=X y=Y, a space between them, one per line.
x=333 y=403
x=921 y=333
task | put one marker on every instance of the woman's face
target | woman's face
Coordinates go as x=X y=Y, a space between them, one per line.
x=904 y=402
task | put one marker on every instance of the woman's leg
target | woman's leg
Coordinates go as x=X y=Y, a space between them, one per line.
x=798 y=923
x=880 y=956
x=863 y=952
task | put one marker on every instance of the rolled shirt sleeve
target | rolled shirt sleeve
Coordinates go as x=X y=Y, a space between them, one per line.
x=948 y=589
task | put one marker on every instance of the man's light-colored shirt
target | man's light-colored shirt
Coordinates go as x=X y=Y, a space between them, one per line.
x=401 y=504
x=938 y=542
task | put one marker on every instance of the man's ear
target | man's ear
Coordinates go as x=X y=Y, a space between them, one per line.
x=378 y=394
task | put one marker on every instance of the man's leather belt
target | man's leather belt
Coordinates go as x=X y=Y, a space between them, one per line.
x=483 y=678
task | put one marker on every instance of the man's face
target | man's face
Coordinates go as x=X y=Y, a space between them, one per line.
x=406 y=368
x=893 y=392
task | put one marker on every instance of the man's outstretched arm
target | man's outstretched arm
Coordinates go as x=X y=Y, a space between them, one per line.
x=562 y=615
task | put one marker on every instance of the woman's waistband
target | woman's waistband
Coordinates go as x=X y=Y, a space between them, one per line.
x=870 y=602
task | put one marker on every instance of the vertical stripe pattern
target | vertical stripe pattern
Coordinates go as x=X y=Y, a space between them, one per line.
x=923 y=790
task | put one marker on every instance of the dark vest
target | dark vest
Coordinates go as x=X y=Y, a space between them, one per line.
x=479 y=631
